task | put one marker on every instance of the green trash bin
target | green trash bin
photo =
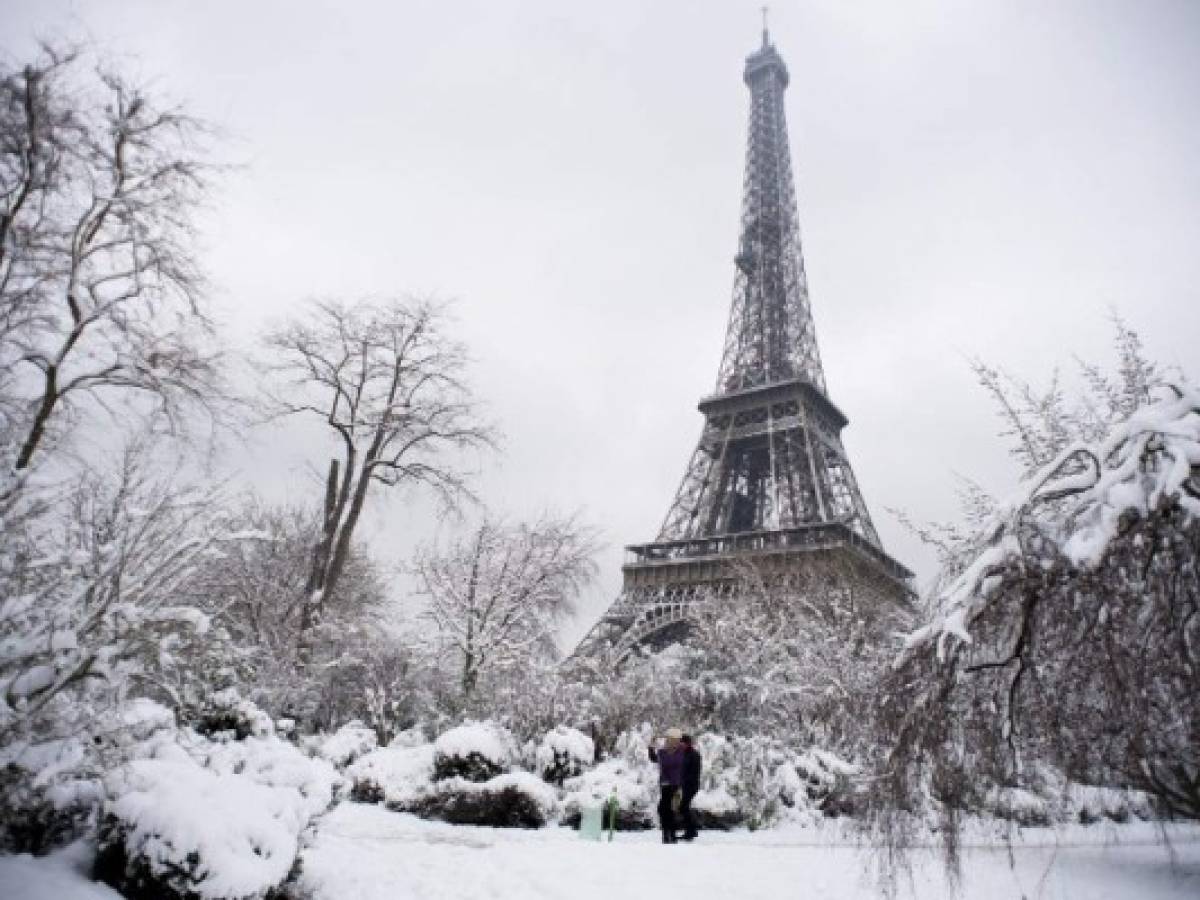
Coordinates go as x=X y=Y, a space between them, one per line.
x=591 y=822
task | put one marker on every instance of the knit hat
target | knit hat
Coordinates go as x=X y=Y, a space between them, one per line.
x=674 y=733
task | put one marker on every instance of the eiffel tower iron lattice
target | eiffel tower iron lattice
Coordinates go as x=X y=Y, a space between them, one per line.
x=769 y=481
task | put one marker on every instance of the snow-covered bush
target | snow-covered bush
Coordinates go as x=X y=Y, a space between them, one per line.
x=350 y=742
x=760 y=781
x=178 y=830
x=717 y=810
x=33 y=819
x=228 y=716
x=564 y=753
x=409 y=737
x=50 y=790
x=475 y=751
x=828 y=781
x=514 y=800
x=1089 y=804
x=1070 y=634
x=633 y=786
x=747 y=770
x=209 y=819
x=396 y=776
x=1020 y=806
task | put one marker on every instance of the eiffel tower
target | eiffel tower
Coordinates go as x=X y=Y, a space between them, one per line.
x=769 y=482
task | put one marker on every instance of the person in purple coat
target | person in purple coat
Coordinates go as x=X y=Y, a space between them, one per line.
x=670 y=779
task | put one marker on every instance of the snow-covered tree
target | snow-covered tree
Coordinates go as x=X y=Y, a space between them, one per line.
x=389 y=383
x=496 y=595
x=793 y=655
x=253 y=594
x=1069 y=632
x=101 y=299
x=90 y=582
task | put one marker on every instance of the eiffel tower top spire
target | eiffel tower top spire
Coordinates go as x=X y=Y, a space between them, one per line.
x=770 y=337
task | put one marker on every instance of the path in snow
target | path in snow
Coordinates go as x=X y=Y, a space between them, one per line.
x=367 y=853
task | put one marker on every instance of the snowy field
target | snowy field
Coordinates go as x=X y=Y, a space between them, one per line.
x=364 y=852
x=367 y=853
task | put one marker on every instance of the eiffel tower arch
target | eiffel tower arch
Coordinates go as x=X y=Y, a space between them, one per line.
x=769 y=483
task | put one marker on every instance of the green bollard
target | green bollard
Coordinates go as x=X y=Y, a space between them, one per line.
x=611 y=808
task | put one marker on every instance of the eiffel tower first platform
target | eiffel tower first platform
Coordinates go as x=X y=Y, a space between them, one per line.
x=769 y=482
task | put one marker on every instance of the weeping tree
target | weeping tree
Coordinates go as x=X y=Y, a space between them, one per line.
x=1066 y=630
x=389 y=383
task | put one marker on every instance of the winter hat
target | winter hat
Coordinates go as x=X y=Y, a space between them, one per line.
x=674 y=733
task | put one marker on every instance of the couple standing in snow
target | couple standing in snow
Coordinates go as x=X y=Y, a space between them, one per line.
x=679 y=777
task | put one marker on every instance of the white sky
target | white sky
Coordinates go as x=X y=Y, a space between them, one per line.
x=975 y=179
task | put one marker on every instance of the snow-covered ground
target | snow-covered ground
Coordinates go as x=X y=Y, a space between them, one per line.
x=367 y=853
x=364 y=852
x=60 y=876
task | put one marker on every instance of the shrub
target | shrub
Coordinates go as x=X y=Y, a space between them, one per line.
x=226 y=716
x=365 y=790
x=347 y=744
x=516 y=800
x=397 y=776
x=36 y=818
x=180 y=832
x=209 y=819
x=631 y=785
x=475 y=751
x=564 y=753
x=50 y=792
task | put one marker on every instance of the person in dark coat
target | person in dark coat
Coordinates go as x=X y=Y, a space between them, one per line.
x=670 y=780
x=692 y=765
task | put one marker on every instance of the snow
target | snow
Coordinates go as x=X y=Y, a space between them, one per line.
x=530 y=785
x=347 y=744
x=613 y=776
x=484 y=738
x=717 y=801
x=404 y=773
x=60 y=876
x=562 y=741
x=219 y=818
x=258 y=722
x=367 y=853
x=309 y=785
x=410 y=737
x=244 y=834
x=1141 y=462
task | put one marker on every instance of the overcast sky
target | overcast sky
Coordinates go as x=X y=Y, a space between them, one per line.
x=975 y=180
